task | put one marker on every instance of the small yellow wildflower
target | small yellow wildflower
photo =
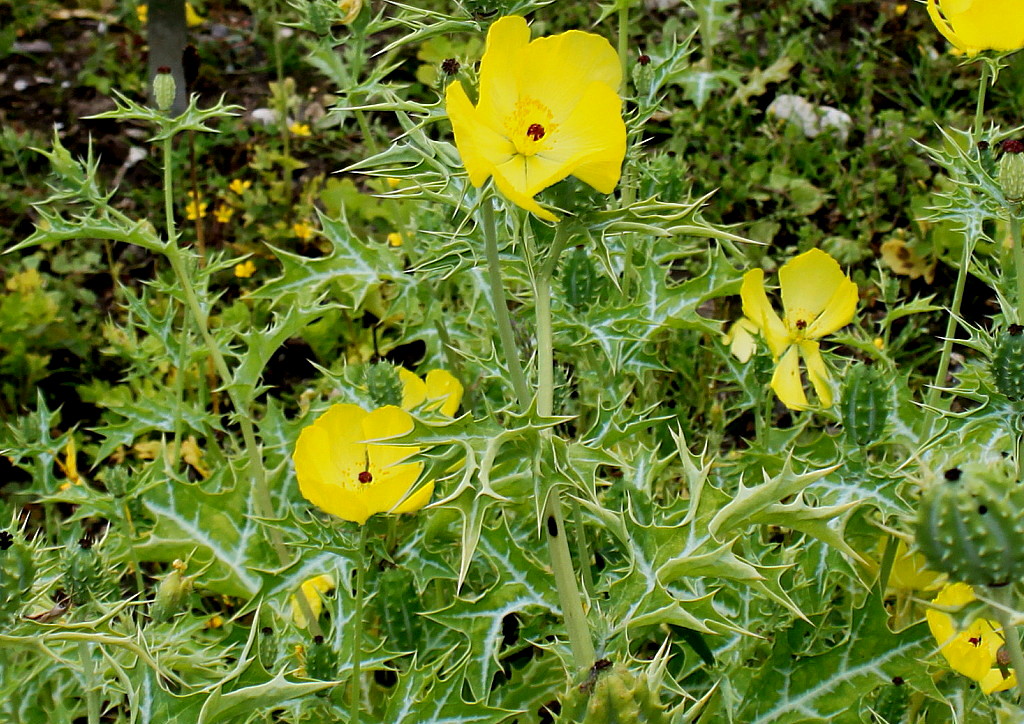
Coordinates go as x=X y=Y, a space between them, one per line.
x=195 y=209
x=245 y=270
x=879 y=343
x=302 y=230
x=817 y=299
x=299 y=129
x=239 y=186
x=393 y=182
x=395 y=238
x=192 y=454
x=314 y=590
x=350 y=10
x=69 y=466
x=223 y=213
x=547 y=109
x=901 y=9
x=215 y=621
x=972 y=651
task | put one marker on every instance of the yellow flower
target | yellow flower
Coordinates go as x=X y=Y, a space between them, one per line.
x=547 y=109
x=245 y=270
x=302 y=230
x=972 y=651
x=299 y=129
x=910 y=571
x=350 y=10
x=223 y=213
x=741 y=339
x=976 y=25
x=239 y=186
x=898 y=256
x=395 y=238
x=817 y=299
x=439 y=389
x=195 y=209
x=192 y=18
x=314 y=589
x=345 y=468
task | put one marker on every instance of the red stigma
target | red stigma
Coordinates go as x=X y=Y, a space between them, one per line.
x=975 y=640
x=535 y=131
x=801 y=324
x=365 y=477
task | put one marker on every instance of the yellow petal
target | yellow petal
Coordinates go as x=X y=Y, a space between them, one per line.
x=589 y=143
x=390 y=486
x=443 y=386
x=786 y=381
x=480 y=146
x=994 y=681
x=414 y=389
x=312 y=589
x=387 y=423
x=817 y=292
x=518 y=197
x=976 y=25
x=759 y=311
x=507 y=40
x=417 y=500
x=817 y=372
x=741 y=339
x=558 y=70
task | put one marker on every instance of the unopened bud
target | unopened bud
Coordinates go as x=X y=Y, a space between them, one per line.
x=164 y=88
x=1011 y=170
x=172 y=592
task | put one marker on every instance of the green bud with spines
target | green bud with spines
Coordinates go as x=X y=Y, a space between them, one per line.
x=383 y=384
x=321 y=660
x=891 y=701
x=866 y=404
x=580 y=279
x=164 y=88
x=85 y=574
x=1008 y=362
x=612 y=694
x=172 y=593
x=17 y=574
x=970 y=527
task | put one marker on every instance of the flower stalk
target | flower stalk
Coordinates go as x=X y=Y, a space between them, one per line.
x=357 y=632
x=1004 y=601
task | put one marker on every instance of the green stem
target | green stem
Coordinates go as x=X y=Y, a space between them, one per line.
x=624 y=45
x=979 y=108
x=558 y=545
x=92 y=701
x=357 y=635
x=501 y=316
x=133 y=555
x=1005 y=602
x=1018 y=262
x=261 y=493
x=565 y=582
x=954 y=312
x=583 y=549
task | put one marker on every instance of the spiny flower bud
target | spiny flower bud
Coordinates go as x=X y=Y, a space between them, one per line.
x=1011 y=170
x=1008 y=362
x=84 y=573
x=172 y=593
x=969 y=524
x=164 y=88
x=383 y=384
x=613 y=693
x=17 y=574
x=321 y=661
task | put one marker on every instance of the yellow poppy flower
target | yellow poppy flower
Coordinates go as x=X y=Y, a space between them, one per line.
x=239 y=186
x=976 y=25
x=439 y=388
x=972 y=651
x=345 y=467
x=817 y=299
x=548 y=108
x=314 y=590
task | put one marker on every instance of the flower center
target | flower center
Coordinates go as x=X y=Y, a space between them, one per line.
x=975 y=640
x=365 y=477
x=801 y=325
x=530 y=126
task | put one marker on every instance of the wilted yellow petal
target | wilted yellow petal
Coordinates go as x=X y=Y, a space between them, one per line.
x=741 y=339
x=313 y=591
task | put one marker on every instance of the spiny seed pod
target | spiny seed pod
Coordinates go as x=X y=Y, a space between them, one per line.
x=321 y=661
x=172 y=593
x=1008 y=362
x=268 y=649
x=164 y=88
x=1011 y=170
x=399 y=620
x=84 y=574
x=580 y=280
x=383 y=384
x=866 y=404
x=891 y=701
x=969 y=524
x=612 y=694
x=17 y=574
